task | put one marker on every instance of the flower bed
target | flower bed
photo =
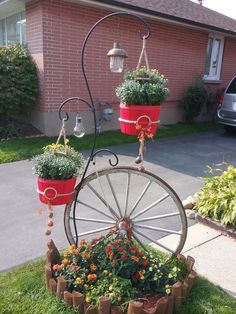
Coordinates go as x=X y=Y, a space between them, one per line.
x=115 y=276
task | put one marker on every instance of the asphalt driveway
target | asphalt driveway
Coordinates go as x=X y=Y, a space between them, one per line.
x=178 y=160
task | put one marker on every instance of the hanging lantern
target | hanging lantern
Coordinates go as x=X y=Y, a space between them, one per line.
x=117 y=56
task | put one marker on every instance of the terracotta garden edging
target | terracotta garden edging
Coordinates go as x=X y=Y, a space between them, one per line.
x=165 y=305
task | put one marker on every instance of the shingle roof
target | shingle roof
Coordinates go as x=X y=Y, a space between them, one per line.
x=184 y=11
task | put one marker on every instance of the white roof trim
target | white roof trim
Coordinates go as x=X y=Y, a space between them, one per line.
x=10 y=7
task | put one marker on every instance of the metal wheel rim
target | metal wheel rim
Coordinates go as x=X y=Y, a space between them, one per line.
x=131 y=171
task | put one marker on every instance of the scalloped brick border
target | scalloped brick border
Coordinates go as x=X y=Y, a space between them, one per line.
x=165 y=305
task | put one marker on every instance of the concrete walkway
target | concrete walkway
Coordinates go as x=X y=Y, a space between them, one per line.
x=179 y=160
x=214 y=254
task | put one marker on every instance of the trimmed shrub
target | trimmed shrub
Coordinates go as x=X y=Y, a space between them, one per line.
x=19 y=84
x=194 y=100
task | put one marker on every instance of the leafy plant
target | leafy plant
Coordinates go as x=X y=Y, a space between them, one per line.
x=18 y=80
x=10 y=130
x=58 y=162
x=117 y=268
x=194 y=100
x=217 y=199
x=143 y=87
x=212 y=101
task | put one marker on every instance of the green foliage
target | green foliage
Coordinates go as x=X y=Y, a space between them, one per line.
x=117 y=268
x=10 y=130
x=205 y=298
x=18 y=80
x=58 y=162
x=213 y=100
x=143 y=87
x=194 y=100
x=217 y=199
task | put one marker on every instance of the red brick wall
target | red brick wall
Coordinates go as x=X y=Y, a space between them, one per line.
x=57 y=29
x=229 y=60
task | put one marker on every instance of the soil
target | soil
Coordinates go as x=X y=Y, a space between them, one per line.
x=13 y=128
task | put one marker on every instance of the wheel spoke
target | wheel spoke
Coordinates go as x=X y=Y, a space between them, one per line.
x=157 y=229
x=103 y=201
x=151 y=206
x=140 y=197
x=139 y=242
x=93 y=231
x=94 y=220
x=153 y=241
x=127 y=194
x=158 y=217
x=114 y=194
x=95 y=209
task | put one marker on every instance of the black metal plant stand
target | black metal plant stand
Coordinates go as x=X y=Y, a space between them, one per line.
x=126 y=217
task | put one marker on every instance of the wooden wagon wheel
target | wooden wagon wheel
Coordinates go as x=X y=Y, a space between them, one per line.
x=131 y=202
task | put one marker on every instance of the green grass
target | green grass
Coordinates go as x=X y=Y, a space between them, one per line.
x=206 y=298
x=22 y=290
x=19 y=149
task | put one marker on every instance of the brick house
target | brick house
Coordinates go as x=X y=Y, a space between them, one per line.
x=187 y=40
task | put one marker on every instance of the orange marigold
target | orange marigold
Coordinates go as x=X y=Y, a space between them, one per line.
x=56 y=267
x=92 y=277
x=111 y=255
x=93 y=267
x=135 y=258
x=65 y=261
x=86 y=255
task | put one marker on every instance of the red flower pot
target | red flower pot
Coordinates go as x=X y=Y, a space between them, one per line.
x=143 y=116
x=56 y=192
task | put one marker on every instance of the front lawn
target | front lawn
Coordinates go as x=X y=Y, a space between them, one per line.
x=22 y=290
x=20 y=149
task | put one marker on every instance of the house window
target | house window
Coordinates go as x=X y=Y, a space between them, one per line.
x=214 y=57
x=13 y=29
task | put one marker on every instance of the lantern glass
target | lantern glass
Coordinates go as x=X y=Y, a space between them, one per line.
x=116 y=64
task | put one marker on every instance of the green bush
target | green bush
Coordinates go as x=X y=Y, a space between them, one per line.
x=217 y=199
x=18 y=80
x=194 y=100
x=58 y=162
x=143 y=87
x=213 y=100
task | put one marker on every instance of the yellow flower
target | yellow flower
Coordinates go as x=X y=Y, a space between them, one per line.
x=78 y=281
x=65 y=254
x=88 y=299
x=110 y=288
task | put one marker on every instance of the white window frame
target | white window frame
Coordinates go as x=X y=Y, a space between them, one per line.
x=215 y=76
x=22 y=13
